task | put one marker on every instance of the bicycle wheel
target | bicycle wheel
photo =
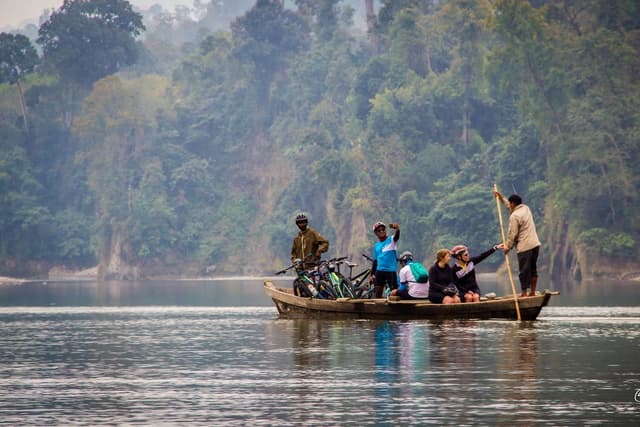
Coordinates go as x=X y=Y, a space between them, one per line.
x=300 y=289
x=347 y=287
x=359 y=279
x=364 y=292
x=327 y=289
x=343 y=286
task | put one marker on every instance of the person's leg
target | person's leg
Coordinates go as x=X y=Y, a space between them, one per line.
x=393 y=280
x=379 y=286
x=402 y=293
x=534 y=270
x=524 y=266
x=386 y=278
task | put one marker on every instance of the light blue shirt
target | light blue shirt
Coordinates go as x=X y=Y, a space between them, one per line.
x=385 y=253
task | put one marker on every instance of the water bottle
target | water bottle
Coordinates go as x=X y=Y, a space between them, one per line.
x=313 y=289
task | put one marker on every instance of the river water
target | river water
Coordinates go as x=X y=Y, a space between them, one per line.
x=215 y=353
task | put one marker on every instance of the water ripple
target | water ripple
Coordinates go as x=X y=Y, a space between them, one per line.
x=244 y=366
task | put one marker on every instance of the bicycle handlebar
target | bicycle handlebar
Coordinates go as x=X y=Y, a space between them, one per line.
x=297 y=262
x=304 y=261
x=338 y=259
x=285 y=270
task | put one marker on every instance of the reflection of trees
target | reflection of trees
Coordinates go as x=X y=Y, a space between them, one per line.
x=453 y=344
x=453 y=359
x=517 y=368
x=308 y=339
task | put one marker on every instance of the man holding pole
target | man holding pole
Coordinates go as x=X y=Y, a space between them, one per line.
x=522 y=234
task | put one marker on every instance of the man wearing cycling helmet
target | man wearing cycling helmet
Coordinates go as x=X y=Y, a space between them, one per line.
x=308 y=244
x=464 y=272
x=409 y=288
x=383 y=269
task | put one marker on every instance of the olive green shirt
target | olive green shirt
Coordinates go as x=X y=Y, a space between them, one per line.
x=308 y=242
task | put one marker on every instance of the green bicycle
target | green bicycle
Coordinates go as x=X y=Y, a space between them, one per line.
x=330 y=272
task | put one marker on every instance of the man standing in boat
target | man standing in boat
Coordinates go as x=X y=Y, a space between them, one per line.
x=522 y=234
x=308 y=244
x=383 y=270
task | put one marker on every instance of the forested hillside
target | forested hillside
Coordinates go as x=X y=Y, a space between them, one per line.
x=147 y=148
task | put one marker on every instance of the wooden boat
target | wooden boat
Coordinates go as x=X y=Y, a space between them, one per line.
x=292 y=306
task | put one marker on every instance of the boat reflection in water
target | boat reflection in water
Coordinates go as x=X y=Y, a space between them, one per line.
x=494 y=372
x=197 y=353
x=517 y=372
x=409 y=370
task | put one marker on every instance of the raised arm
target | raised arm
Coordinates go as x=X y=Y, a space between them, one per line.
x=396 y=235
x=502 y=199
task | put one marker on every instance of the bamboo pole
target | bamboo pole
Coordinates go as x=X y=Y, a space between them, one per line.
x=506 y=256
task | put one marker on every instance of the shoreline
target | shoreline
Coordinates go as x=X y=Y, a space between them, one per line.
x=5 y=280
x=84 y=277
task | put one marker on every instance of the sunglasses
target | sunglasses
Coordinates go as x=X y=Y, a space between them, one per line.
x=302 y=222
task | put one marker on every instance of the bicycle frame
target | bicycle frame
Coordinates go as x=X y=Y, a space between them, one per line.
x=306 y=282
x=361 y=287
x=339 y=283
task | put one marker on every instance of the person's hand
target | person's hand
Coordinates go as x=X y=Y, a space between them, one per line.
x=499 y=246
x=371 y=280
x=394 y=225
x=318 y=253
x=505 y=249
x=498 y=195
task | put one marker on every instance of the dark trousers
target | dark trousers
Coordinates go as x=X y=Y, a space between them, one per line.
x=528 y=266
x=387 y=278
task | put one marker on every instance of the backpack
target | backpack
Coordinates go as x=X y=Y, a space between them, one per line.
x=419 y=272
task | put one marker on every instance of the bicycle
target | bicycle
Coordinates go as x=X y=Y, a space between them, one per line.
x=308 y=284
x=359 y=284
x=330 y=271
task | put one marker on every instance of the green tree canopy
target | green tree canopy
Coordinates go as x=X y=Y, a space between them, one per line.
x=86 y=40
x=266 y=37
x=18 y=57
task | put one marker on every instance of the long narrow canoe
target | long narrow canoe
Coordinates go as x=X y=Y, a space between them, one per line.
x=292 y=306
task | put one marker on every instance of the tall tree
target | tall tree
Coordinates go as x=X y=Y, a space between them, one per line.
x=464 y=22
x=266 y=37
x=371 y=24
x=18 y=58
x=86 y=40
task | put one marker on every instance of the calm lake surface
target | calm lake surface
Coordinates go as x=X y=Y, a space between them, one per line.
x=215 y=353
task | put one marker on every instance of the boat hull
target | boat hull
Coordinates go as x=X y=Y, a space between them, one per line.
x=291 y=306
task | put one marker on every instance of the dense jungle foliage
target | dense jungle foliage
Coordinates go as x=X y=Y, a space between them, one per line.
x=167 y=143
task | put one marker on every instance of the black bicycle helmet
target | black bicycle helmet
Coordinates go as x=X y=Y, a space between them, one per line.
x=301 y=216
x=405 y=257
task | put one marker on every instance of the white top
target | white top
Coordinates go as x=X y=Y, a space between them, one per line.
x=416 y=289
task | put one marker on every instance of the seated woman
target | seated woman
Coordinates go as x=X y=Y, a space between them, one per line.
x=409 y=287
x=441 y=279
x=465 y=273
